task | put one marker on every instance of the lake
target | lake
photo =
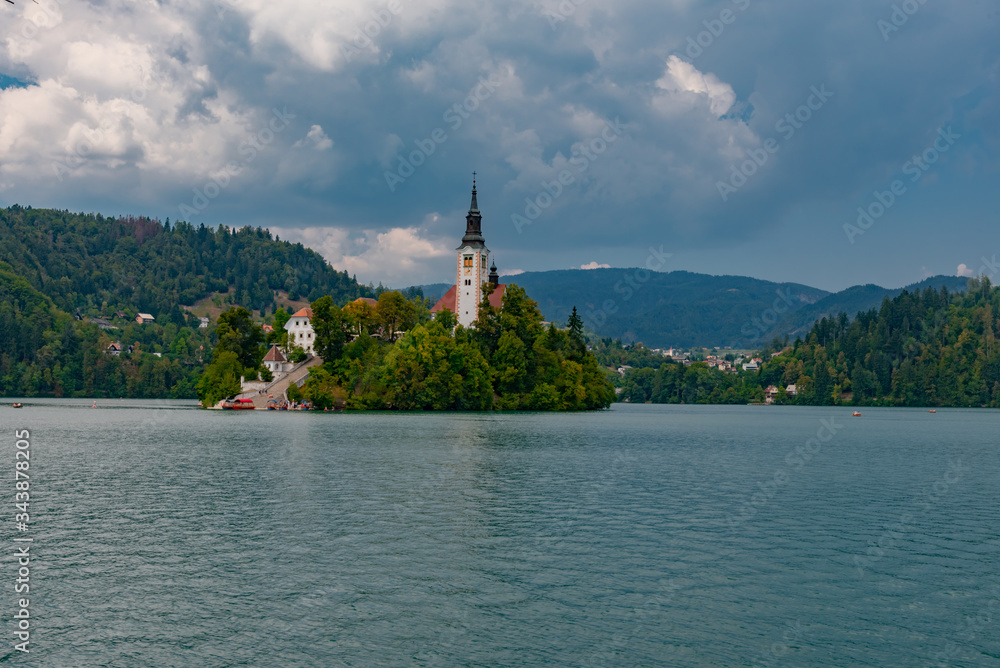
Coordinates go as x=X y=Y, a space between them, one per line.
x=638 y=536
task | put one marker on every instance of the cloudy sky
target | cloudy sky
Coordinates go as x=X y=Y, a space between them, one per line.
x=742 y=136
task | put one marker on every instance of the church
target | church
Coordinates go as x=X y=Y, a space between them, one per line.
x=470 y=272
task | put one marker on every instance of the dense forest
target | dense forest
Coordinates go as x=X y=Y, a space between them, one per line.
x=922 y=348
x=71 y=285
x=97 y=265
x=46 y=352
x=509 y=361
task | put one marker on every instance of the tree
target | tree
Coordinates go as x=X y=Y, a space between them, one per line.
x=447 y=319
x=576 y=335
x=328 y=326
x=221 y=379
x=391 y=312
x=280 y=334
x=240 y=335
x=321 y=389
x=360 y=316
x=429 y=370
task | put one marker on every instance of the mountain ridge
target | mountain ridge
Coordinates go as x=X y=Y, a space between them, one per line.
x=685 y=309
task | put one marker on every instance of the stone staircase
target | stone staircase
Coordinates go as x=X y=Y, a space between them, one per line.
x=279 y=388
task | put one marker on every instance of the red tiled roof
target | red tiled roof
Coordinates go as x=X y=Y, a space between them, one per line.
x=275 y=355
x=366 y=300
x=303 y=313
x=448 y=301
x=496 y=297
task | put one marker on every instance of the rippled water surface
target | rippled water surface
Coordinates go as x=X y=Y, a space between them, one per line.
x=639 y=536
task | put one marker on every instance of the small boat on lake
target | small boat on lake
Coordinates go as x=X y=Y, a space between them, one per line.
x=932 y=411
x=17 y=404
x=238 y=405
x=856 y=414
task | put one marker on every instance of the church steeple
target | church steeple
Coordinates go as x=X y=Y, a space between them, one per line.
x=474 y=222
x=494 y=276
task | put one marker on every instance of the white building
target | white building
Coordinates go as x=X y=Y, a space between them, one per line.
x=300 y=331
x=276 y=362
x=472 y=260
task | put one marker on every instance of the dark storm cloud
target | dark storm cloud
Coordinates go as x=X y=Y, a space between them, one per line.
x=691 y=90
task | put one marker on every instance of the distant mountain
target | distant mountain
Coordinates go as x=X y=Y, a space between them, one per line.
x=852 y=300
x=686 y=309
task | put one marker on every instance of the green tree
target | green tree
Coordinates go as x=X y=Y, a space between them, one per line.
x=238 y=334
x=429 y=370
x=221 y=379
x=280 y=334
x=579 y=343
x=328 y=325
x=447 y=319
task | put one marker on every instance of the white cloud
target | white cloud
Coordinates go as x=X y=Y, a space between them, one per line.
x=400 y=257
x=964 y=270
x=685 y=81
x=595 y=265
x=510 y=272
x=317 y=138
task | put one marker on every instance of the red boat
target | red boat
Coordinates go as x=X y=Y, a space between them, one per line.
x=238 y=405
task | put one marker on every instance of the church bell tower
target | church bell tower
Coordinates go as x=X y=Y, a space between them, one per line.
x=473 y=259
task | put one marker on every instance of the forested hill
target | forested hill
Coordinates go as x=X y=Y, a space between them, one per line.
x=922 y=348
x=852 y=301
x=63 y=277
x=683 y=309
x=93 y=264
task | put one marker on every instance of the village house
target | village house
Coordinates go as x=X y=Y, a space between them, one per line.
x=144 y=318
x=300 y=331
x=203 y=323
x=114 y=349
x=276 y=362
x=791 y=390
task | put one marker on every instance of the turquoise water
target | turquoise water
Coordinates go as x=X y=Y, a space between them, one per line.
x=639 y=536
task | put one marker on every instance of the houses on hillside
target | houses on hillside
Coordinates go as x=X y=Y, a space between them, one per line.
x=772 y=393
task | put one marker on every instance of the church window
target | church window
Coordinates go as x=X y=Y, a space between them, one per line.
x=468 y=261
